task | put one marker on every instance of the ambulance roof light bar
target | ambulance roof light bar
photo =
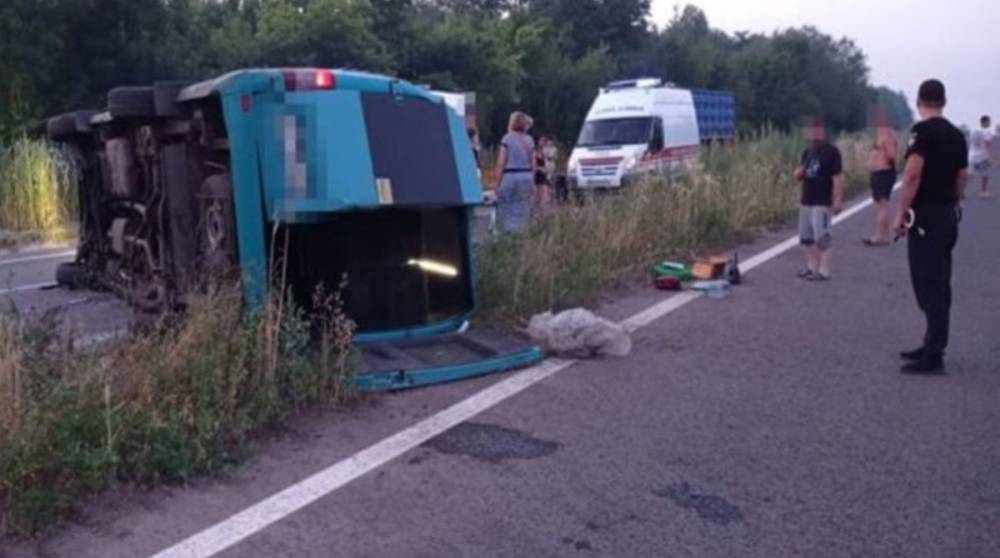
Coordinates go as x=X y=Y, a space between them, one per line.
x=641 y=83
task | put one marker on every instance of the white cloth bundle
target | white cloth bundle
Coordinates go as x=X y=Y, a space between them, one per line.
x=579 y=332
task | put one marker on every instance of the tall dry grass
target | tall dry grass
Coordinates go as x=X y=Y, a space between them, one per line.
x=179 y=399
x=571 y=254
x=37 y=187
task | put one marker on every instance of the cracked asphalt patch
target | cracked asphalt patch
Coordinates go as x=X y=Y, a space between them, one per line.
x=709 y=507
x=579 y=545
x=491 y=443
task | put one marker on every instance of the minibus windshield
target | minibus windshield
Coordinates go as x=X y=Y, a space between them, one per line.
x=615 y=131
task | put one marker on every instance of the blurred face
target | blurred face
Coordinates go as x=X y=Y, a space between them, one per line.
x=926 y=111
x=986 y=123
x=814 y=133
x=921 y=110
x=882 y=123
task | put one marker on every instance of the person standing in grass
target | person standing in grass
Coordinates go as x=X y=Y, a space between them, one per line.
x=980 y=142
x=476 y=147
x=545 y=171
x=542 y=192
x=515 y=175
x=882 y=165
x=822 y=177
x=933 y=186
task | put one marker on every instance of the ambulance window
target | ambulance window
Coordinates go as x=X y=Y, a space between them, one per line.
x=656 y=143
x=615 y=131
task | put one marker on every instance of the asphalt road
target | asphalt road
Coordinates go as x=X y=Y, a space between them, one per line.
x=773 y=423
x=27 y=281
x=30 y=268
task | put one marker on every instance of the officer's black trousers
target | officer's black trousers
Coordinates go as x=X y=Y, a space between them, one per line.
x=930 y=270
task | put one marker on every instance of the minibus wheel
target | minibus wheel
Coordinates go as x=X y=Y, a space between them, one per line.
x=132 y=102
x=218 y=224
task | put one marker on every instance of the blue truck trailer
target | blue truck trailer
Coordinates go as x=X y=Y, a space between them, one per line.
x=716 y=113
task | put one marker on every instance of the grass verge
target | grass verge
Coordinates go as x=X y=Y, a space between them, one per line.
x=178 y=400
x=573 y=253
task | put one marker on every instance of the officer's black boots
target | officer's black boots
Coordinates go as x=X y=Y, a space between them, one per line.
x=913 y=355
x=925 y=364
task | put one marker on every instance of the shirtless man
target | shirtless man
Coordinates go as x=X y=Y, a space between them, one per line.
x=882 y=166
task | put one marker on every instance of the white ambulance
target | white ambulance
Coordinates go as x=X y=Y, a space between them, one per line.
x=634 y=127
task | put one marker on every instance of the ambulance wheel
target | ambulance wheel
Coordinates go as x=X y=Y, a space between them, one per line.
x=218 y=225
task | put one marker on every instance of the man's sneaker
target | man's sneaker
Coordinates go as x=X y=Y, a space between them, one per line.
x=915 y=354
x=927 y=365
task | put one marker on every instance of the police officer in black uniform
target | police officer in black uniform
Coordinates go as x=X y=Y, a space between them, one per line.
x=929 y=212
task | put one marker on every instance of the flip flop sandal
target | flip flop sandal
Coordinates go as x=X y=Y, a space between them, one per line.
x=874 y=243
x=818 y=277
x=805 y=273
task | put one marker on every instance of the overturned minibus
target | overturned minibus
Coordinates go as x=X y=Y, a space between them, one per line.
x=337 y=174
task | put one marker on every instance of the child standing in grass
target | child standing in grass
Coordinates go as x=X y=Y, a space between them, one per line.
x=822 y=177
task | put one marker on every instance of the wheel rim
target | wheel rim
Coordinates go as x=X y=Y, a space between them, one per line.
x=215 y=227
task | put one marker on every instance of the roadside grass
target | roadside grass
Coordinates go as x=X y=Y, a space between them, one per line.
x=576 y=251
x=180 y=399
x=37 y=190
x=16 y=240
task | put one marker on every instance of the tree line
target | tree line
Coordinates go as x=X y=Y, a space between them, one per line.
x=547 y=57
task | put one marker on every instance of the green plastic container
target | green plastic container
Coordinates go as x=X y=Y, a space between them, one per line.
x=672 y=269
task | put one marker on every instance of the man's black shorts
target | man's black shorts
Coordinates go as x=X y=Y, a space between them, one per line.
x=882 y=183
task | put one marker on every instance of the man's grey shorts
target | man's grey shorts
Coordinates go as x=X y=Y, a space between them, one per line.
x=981 y=168
x=815 y=226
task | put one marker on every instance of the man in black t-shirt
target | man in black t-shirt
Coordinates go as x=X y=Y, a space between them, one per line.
x=933 y=186
x=822 y=177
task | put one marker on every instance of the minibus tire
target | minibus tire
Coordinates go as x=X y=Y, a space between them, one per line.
x=165 y=98
x=66 y=126
x=60 y=127
x=71 y=275
x=131 y=102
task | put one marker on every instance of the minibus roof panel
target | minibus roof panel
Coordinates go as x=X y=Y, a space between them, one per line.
x=262 y=79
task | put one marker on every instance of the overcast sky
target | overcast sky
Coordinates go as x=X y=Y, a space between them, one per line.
x=957 y=41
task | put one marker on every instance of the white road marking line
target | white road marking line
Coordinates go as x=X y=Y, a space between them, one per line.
x=788 y=244
x=251 y=520
x=31 y=287
x=256 y=518
x=658 y=310
x=40 y=257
